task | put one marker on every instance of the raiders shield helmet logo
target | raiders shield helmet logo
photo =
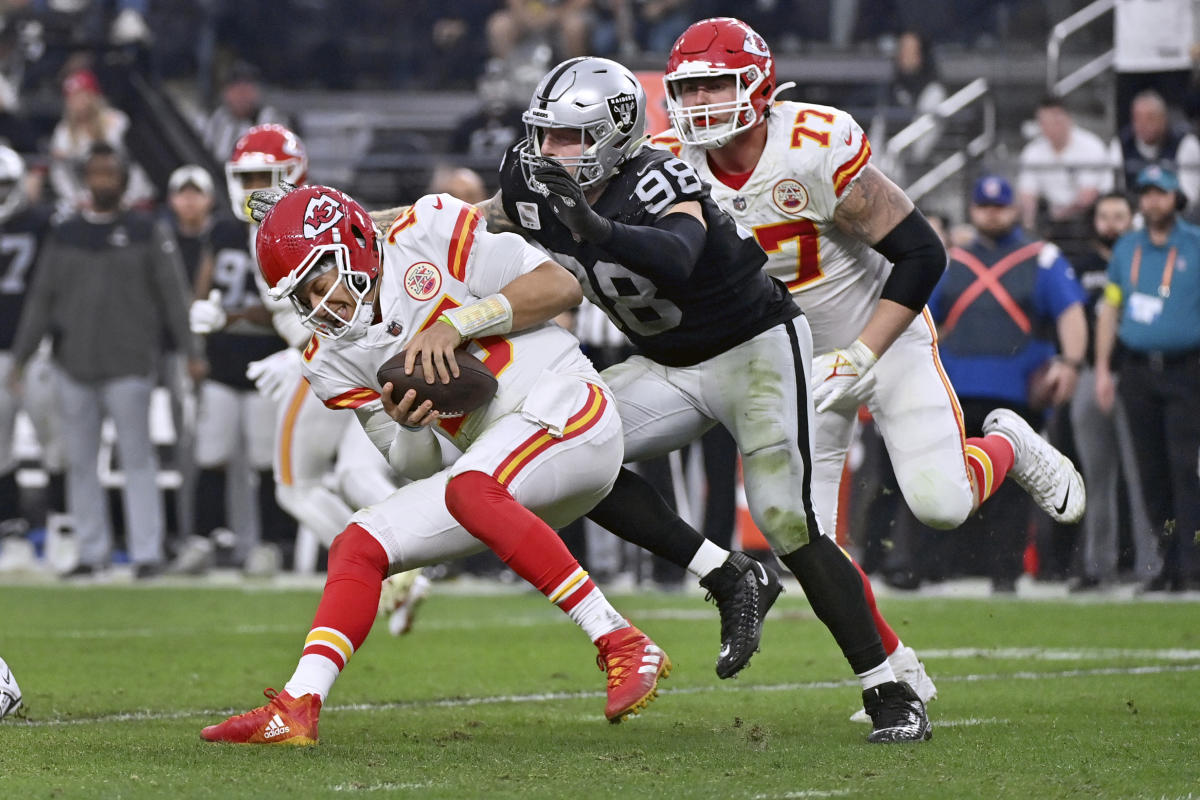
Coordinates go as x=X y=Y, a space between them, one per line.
x=623 y=110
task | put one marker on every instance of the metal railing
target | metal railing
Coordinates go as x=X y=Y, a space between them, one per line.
x=976 y=92
x=1091 y=70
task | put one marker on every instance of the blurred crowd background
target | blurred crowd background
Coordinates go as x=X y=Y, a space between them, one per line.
x=395 y=98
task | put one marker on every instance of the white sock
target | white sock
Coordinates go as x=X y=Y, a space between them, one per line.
x=874 y=677
x=707 y=558
x=899 y=647
x=596 y=615
x=314 y=675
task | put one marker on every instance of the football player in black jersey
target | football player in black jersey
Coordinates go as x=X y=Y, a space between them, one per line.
x=721 y=342
x=23 y=227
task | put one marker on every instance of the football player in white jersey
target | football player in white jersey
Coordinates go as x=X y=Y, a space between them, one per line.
x=861 y=261
x=544 y=450
x=324 y=475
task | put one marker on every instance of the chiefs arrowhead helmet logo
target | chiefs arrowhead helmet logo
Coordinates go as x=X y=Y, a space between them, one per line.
x=323 y=213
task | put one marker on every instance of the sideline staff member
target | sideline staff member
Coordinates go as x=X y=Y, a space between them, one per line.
x=1151 y=316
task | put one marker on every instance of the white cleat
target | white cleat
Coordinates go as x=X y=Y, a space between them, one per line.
x=1046 y=474
x=910 y=670
x=402 y=594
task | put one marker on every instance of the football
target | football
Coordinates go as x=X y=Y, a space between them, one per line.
x=10 y=693
x=474 y=386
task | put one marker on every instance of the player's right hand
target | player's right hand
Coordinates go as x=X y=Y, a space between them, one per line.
x=206 y=316
x=422 y=416
x=277 y=374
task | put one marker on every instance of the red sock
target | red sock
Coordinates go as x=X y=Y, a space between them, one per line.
x=886 y=635
x=989 y=458
x=527 y=545
x=357 y=567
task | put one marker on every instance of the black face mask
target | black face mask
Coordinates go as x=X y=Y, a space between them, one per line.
x=1108 y=241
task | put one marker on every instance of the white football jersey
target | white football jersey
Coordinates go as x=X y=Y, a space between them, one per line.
x=436 y=256
x=812 y=157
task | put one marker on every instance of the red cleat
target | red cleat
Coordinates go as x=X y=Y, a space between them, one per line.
x=634 y=664
x=285 y=720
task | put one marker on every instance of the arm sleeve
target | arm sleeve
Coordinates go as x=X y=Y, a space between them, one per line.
x=918 y=261
x=667 y=250
x=411 y=454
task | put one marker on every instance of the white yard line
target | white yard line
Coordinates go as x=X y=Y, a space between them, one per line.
x=466 y=702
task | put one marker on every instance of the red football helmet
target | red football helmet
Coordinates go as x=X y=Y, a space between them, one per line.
x=313 y=229
x=271 y=149
x=714 y=47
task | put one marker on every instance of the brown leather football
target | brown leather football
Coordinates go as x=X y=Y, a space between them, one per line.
x=474 y=386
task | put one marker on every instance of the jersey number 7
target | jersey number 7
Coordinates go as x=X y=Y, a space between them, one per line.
x=771 y=239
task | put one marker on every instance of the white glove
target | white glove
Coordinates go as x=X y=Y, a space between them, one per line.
x=836 y=374
x=277 y=374
x=206 y=316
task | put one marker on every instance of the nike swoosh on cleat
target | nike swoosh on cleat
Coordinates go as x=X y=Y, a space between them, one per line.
x=724 y=651
x=1063 y=507
x=762 y=577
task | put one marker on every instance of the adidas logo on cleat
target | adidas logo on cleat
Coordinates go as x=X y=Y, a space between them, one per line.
x=275 y=728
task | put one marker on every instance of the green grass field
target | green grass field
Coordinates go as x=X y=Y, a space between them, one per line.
x=498 y=696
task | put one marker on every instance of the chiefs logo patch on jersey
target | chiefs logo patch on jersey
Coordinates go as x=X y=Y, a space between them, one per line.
x=623 y=110
x=422 y=281
x=323 y=213
x=790 y=196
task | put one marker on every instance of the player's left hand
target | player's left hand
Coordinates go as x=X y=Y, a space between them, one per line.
x=206 y=316
x=568 y=202
x=836 y=374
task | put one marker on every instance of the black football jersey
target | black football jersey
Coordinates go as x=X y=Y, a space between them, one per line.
x=21 y=238
x=234 y=268
x=727 y=300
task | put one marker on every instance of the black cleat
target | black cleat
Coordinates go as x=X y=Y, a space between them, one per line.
x=744 y=589
x=897 y=714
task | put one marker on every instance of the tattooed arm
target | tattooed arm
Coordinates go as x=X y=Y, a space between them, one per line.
x=385 y=218
x=877 y=212
x=493 y=214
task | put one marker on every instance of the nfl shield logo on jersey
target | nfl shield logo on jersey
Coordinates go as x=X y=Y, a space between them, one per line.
x=422 y=281
x=394 y=328
x=739 y=204
x=623 y=110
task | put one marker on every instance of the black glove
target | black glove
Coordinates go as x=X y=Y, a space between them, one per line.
x=261 y=201
x=568 y=203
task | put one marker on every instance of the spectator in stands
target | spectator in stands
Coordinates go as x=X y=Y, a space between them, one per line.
x=561 y=24
x=106 y=282
x=915 y=88
x=452 y=57
x=1148 y=332
x=241 y=108
x=1064 y=170
x=88 y=119
x=1102 y=438
x=485 y=134
x=992 y=352
x=461 y=182
x=1150 y=138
